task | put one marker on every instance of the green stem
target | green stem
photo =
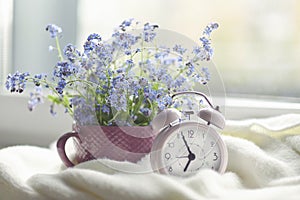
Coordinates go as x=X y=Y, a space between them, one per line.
x=88 y=83
x=142 y=58
x=139 y=103
x=152 y=109
x=44 y=82
x=60 y=56
x=114 y=117
x=180 y=72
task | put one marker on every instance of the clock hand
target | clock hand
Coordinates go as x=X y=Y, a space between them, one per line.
x=185 y=143
x=187 y=165
x=182 y=156
x=191 y=157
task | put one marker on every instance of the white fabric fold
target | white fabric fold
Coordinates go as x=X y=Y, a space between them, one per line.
x=264 y=163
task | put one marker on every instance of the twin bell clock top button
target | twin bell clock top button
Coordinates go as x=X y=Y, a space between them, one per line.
x=187 y=141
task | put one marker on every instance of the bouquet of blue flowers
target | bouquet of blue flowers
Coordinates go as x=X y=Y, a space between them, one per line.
x=120 y=81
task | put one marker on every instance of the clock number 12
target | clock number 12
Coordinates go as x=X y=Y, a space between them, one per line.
x=191 y=133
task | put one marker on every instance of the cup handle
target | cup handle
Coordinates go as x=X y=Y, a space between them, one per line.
x=61 y=143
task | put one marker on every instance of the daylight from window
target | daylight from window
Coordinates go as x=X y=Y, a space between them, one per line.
x=256 y=46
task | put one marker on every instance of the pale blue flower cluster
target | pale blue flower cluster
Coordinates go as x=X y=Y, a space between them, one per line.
x=118 y=81
x=36 y=98
x=16 y=82
x=53 y=29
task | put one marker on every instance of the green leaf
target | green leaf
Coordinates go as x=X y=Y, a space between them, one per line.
x=54 y=99
x=141 y=119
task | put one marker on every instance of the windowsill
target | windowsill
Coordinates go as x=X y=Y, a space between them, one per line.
x=39 y=127
x=242 y=108
x=19 y=126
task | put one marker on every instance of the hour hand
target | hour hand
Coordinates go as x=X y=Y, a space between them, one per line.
x=187 y=165
x=191 y=157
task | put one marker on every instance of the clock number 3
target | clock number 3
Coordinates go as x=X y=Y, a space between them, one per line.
x=215 y=156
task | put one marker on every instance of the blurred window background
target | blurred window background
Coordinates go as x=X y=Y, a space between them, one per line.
x=257 y=46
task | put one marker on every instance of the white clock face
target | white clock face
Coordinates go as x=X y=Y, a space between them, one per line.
x=189 y=147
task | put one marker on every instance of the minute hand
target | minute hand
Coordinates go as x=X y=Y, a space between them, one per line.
x=191 y=156
x=185 y=143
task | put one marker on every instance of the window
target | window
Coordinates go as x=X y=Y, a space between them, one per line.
x=31 y=41
x=257 y=46
x=24 y=47
x=6 y=20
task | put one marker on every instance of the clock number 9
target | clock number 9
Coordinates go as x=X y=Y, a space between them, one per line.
x=167 y=156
